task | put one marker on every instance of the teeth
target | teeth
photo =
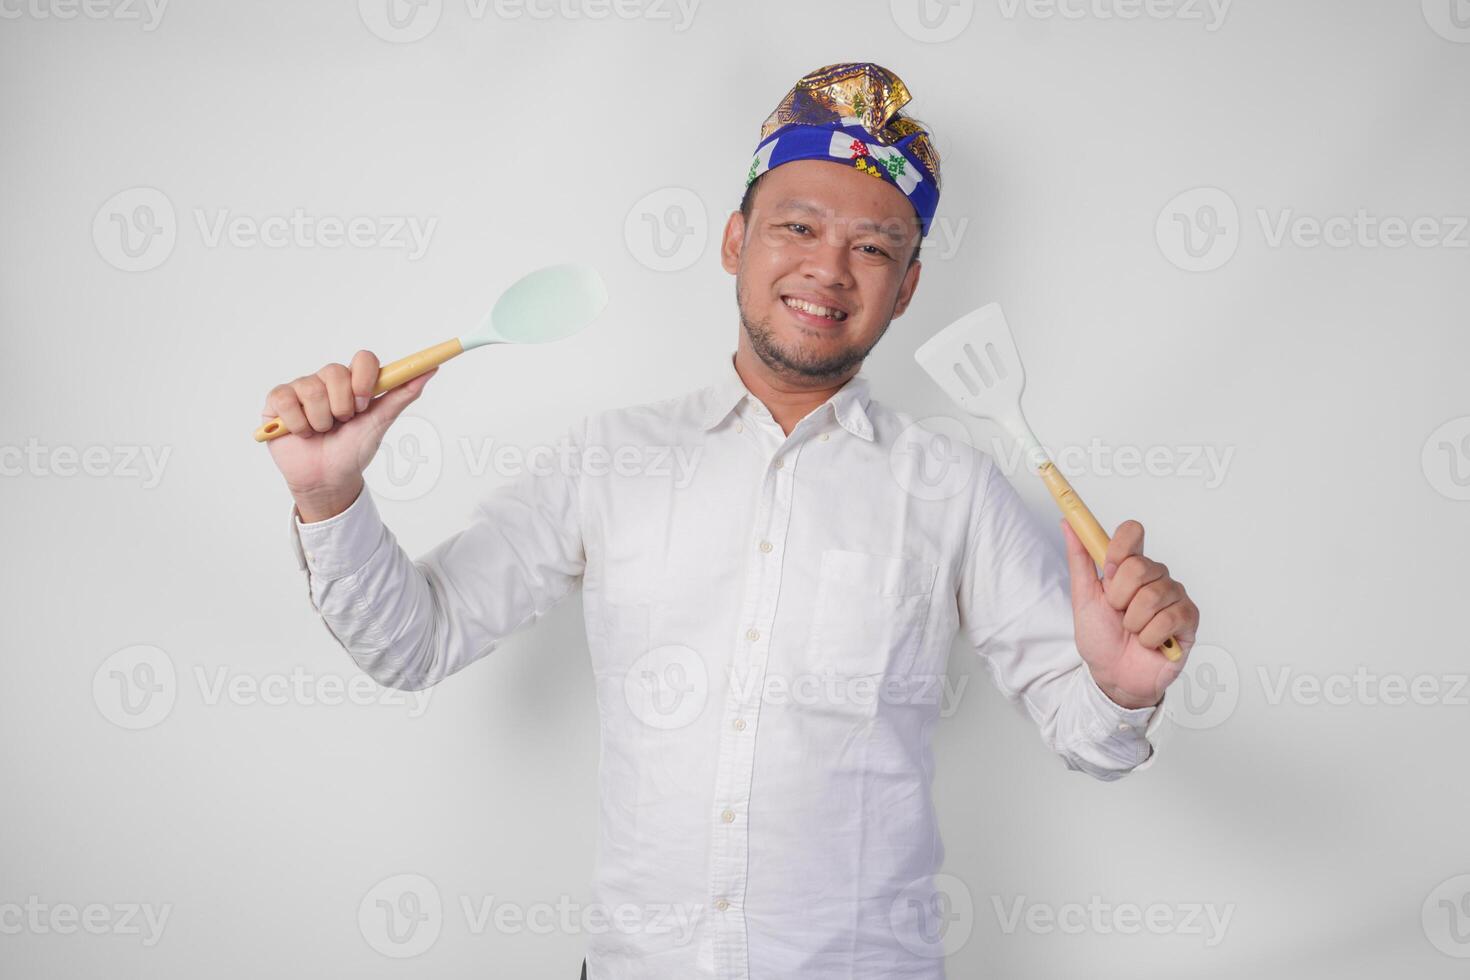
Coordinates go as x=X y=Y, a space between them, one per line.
x=814 y=309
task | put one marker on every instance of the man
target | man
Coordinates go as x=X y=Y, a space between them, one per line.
x=768 y=632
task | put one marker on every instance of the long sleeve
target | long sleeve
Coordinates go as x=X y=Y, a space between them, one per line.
x=409 y=624
x=1016 y=610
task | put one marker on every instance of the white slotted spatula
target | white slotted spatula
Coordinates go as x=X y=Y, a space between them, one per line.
x=975 y=361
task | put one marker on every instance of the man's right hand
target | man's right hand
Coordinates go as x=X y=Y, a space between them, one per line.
x=336 y=427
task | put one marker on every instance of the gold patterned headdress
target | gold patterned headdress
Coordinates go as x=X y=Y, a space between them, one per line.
x=850 y=113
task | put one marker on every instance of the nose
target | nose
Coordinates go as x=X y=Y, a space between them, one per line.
x=827 y=262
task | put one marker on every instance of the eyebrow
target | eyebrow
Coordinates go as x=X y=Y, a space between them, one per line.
x=860 y=224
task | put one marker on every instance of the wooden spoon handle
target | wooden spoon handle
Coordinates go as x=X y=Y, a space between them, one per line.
x=390 y=376
x=1093 y=537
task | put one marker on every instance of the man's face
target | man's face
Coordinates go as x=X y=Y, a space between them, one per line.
x=821 y=267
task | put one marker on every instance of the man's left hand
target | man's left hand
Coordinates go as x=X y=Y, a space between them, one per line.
x=1122 y=619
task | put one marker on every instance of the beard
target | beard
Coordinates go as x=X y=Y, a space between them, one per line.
x=793 y=359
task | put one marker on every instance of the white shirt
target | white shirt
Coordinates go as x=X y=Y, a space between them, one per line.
x=769 y=626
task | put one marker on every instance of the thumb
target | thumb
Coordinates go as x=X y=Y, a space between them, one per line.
x=388 y=406
x=1086 y=588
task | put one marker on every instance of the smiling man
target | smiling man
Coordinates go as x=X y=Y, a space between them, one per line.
x=769 y=636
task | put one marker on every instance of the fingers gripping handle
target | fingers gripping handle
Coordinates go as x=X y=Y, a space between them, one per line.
x=389 y=377
x=1093 y=537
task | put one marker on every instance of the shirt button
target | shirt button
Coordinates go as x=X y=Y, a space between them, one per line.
x=309 y=556
x=739 y=426
x=1125 y=727
x=722 y=905
x=740 y=724
x=823 y=436
x=766 y=546
x=752 y=635
x=779 y=463
x=728 y=816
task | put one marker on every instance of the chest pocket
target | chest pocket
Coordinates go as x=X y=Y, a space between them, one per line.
x=869 y=614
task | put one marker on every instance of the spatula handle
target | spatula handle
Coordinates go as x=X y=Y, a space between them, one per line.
x=390 y=376
x=1093 y=537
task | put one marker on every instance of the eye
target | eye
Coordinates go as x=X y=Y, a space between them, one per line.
x=876 y=251
x=796 y=226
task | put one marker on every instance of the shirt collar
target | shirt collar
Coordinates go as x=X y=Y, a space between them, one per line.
x=849 y=403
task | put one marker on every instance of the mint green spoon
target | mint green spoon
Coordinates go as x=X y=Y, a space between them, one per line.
x=542 y=306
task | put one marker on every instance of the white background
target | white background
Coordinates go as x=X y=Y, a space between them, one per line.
x=1333 y=376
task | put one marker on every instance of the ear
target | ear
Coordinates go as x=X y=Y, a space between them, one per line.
x=907 y=287
x=732 y=241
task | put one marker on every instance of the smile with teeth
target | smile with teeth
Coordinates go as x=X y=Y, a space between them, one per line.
x=814 y=309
